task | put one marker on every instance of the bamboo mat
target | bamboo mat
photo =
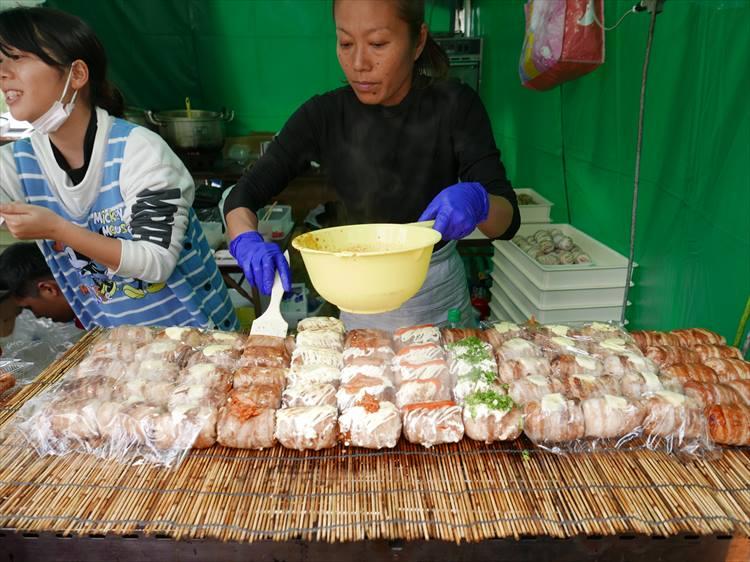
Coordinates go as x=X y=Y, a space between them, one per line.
x=463 y=492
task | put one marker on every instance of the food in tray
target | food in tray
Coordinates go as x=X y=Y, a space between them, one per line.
x=370 y=424
x=187 y=336
x=516 y=348
x=328 y=339
x=353 y=391
x=310 y=394
x=611 y=416
x=419 y=353
x=729 y=369
x=453 y=335
x=582 y=387
x=321 y=323
x=553 y=419
x=709 y=393
x=248 y=376
x=515 y=369
x=429 y=370
x=306 y=374
x=313 y=427
x=423 y=390
x=664 y=355
x=742 y=388
x=576 y=365
x=247 y=420
x=265 y=356
x=489 y=416
x=433 y=423
x=416 y=335
x=551 y=247
x=533 y=388
x=712 y=351
x=217 y=354
x=672 y=414
x=635 y=385
x=729 y=424
x=165 y=350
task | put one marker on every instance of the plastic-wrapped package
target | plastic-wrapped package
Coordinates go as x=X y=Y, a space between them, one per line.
x=137 y=334
x=555 y=330
x=581 y=387
x=116 y=350
x=553 y=419
x=313 y=427
x=370 y=424
x=497 y=334
x=729 y=424
x=489 y=416
x=553 y=346
x=533 y=388
x=635 y=385
x=576 y=365
x=729 y=369
x=192 y=337
x=367 y=355
x=742 y=388
x=265 y=356
x=710 y=351
x=215 y=337
x=166 y=350
x=598 y=331
x=611 y=416
x=310 y=394
x=664 y=356
x=477 y=379
x=367 y=338
x=681 y=373
x=247 y=420
x=416 y=335
x=674 y=417
x=320 y=374
x=207 y=374
x=613 y=346
x=625 y=363
x=419 y=353
x=423 y=390
x=521 y=367
x=380 y=370
x=248 y=376
x=217 y=354
x=428 y=370
x=115 y=368
x=709 y=393
x=354 y=391
x=516 y=348
x=257 y=340
x=327 y=339
x=433 y=423
x=453 y=335
x=321 y=323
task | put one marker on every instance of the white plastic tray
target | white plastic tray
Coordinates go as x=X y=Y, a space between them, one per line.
x=498 y=313
x=608 y=268
x=517 y=305
x=557 y=298
x=539 y=213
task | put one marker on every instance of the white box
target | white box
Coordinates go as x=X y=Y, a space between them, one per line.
x=607 y=267
x=551 y=298
x=537 y=213
x=278 y=224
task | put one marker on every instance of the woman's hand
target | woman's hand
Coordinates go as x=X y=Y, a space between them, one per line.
x=31 y=222
x=458 y=210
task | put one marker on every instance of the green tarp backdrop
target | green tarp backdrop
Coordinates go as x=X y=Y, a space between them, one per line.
x=263 y=58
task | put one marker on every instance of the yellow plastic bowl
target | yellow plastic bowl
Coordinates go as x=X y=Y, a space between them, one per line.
x=367 y=268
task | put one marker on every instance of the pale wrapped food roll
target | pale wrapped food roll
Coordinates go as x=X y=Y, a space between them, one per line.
x=599 y=331
x=422 y=390
x=636 y=385
x=195 y=395
x=429 y=370
x=264 y=356
x=216 y=337
x=84 y=388
x=248 y=376
x=647 y=338
x=156 y=427
x=501 y=332
x=453 y=335
x=581 y=387
x=222 y=355
x=321 y=323
x=257 y=340
x=367 y=355
x=92 y=365
x=671 y=414
x=137 y=334
x=576 y=365
x=533 y=388
x=420 y=353
x=476 y=380
x=665 y=356
x=186 y=336
x=684 y=372
x=433 y=423
x=316 y=356
x=517 y=348
x=382 y=371
x=469 y=354
x=355 y=390
x=742 y=388
x=515 y=369
x=560 y=345
x=248 y=419
x=611 y=416
x=553 y=419
x=309 y=395
x=692 y=336
x=144 y=390
x=709 y=351
x=489 y=417
x=556 y=330
x=416 y=335
x=370 y=424
x=206 y=374
x=192 y=424
x=367 y=338
x=72 y=421
x=313 y=427
x=613 y=346
x=623 y=364
x=166 y=350
x=707 y=394
x=115 y=350
x=314 y=374
x=729 y=424
x=729 y=369
x=156 y=370
x=327 y=339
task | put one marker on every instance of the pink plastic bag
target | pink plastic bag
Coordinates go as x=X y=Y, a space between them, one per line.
x=564 y=40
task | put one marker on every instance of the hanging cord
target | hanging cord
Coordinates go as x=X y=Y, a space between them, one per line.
x=562 y=154
x=632 y=10
x=637 y=178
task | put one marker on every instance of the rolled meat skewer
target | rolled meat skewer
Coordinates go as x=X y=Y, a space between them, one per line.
x=328 y=339
x=453 y=335
x=729 y=369
x=422 y=390
x=225 y=356
x=533 y=388
x=354 y=391
x=576 y=365
x=367 y=338
x=636 y=385
x=247 y=420
x=517 y=348
x=670 y=414
x=421 y=353
x=502 y=332
x=581 y=387
x=321 y=323
x=553 y=419
x=515 y=369
x=692 y=336
x=187 y=336
x=611 y=416
x=648 y=338
x=709 y=351
x=709 y=393
x=248 y=376
x=685 y=372
x=309 y=395
x=665 y=356
x=729 y=424
x=742 y=388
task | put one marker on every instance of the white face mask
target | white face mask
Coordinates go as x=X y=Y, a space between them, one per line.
x=56 y=115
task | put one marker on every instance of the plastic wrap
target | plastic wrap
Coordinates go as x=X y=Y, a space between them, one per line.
x=248 y=376
x=370 y=424
x=309 y=394
x=321 y=323
x=419 y=353
x=553 y=419
x=433 y=423
x=318 y=374
x=313 y=427
x=742 y=388
x=729 y=424
x=423 y=390
x=707 y=394
x=355 y=390
x=416 y=335
x=327 y=339
x=316 y=356
x=489 y=416
x=247 y=420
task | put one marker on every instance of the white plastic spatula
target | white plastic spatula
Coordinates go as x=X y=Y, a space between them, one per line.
x=271 y=322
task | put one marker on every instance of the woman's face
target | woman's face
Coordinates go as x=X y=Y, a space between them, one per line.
x=375 y=49
x=30 y=85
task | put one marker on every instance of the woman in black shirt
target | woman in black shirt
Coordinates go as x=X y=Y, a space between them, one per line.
x=390 y=141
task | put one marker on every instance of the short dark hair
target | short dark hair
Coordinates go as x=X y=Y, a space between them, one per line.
x=58 y=39
x=22 y=265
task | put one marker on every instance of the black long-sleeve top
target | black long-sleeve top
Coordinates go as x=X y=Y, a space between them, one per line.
x=385 y=163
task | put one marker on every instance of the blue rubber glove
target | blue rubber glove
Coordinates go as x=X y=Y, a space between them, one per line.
x=458 y=210
x=259 y=261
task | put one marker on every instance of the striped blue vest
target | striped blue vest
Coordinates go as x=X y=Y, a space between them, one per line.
x=194 y=295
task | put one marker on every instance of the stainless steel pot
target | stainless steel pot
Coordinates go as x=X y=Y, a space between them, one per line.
x=203 y=130
x=136 y=115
